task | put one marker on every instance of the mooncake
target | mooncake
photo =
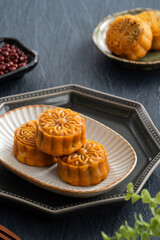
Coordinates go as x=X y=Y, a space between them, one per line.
x=146 y=16
x=129 y=37
x=152 y=18
x=85 y=167
x=25 y=149
x=60 y=131
x=156 y=30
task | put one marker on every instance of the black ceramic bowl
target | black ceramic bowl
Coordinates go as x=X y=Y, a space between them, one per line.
x=32 y=60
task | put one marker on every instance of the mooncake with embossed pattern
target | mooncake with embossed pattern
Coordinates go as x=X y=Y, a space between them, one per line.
x=85 y=167
x=25 y=149
x=60 y=131
x=152 y=18
x=146 y=16
x=129 y=37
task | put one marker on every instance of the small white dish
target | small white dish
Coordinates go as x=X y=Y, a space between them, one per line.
x=121 y=156
x=150 y=61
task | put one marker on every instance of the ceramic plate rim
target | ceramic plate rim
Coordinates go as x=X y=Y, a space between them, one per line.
x=109 y=54
x=61 y=191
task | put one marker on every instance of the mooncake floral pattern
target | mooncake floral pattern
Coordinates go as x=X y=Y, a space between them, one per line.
x=61 y=122
x=26 y=133
x=89 y=153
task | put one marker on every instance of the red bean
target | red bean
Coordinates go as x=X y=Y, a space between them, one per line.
x=15 y=65
x=13 y=50
x=25 y=56
x=7 y=59
x=20 y=53
x=22 y=64
x=1 y=58
x=12 y=46
x=7 y=45
x=7 y=65
x=7 y=49
x=11 y=58
x=5 y=53
x=12 y=68
x=21 y=59
x=14 y=55
x=15 y=60
x=2 y=67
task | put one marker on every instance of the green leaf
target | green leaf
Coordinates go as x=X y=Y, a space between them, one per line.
x=152 y=205
x=128 y=196
x=158 y=198
x=146 y=198
x=105 y=237
x=141 y=229
x=135 y=198
x=142 y=222
x=158 y=219
x=155 y=226
x=144 y=236
x=158 y=211
x=154 y=222
x=118 y=236
x=137 y=222
x=131 y=231
x=141 y=218
x=130 y=187
x=123 y=230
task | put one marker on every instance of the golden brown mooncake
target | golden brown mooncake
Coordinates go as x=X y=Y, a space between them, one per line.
x=129 y=37
x=152 y=18
x=60 y=131
x=156 y=30
x=146 y=16
x=25 y=149
x=85 y=167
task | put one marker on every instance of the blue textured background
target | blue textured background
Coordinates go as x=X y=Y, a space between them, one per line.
x=61 y=32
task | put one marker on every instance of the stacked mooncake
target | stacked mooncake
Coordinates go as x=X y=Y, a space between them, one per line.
x=25 y=149
x=132 y=36
x=59 y=135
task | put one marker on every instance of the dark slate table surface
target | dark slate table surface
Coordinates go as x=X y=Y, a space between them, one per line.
x=60 y=31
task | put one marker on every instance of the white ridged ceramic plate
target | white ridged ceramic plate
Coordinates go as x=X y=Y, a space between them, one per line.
x=121 y=156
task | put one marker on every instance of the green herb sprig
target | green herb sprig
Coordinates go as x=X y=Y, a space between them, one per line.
x=141 y=229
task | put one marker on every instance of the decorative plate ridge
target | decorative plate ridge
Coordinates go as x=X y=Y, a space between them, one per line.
x=121 y=156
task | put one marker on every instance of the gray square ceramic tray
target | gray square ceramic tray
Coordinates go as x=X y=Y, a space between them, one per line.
x=126 y=117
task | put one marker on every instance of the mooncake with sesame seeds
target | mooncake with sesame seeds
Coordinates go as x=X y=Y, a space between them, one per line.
x=129 y=37
x=60 y=131
x=85 y=167
x=25 y=149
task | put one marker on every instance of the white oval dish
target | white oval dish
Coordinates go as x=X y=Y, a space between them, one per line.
x=121 y=156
